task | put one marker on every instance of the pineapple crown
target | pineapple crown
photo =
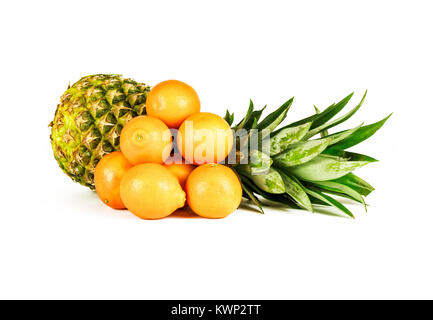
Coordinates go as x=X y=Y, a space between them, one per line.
x=295 y=168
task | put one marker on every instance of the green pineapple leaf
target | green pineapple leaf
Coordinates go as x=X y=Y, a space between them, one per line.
x=254 y=124
x=337 y=137
x=250 y=194
x=336 y=122
x=280 y=140
x=325 y=167
x=314 y=192
x=356 y=183
x=339 y=194
x=277 y=198
x=241 y=124
x=340 y=189
x=319 y=202
x=350 y=156
x=270 y=182
x=255 y=117
x=276 y=117
x=300 y=153
x=324 y=133
x=360 y=135
x=296 y=191
x=325 y=115
x=258 y=163
x=229 y=117
x=331 y=111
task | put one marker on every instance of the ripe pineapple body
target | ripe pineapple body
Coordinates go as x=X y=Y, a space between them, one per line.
x=89 y=120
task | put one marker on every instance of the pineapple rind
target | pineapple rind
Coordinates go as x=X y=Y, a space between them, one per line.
x=89 y=119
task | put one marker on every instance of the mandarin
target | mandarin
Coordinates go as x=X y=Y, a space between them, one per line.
x=181 y=171
x=205 y=138
x=108 y=174
x=145 y=139
x=172 y=101
x=151 y=191
x=213 y=191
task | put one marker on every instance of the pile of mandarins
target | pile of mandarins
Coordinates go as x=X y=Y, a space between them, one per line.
x=151 y=180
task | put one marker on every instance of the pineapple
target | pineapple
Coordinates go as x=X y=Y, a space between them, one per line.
x=301 y=164
x=89 y=119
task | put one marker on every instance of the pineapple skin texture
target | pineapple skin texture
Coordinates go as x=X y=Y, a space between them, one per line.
x=89 y=119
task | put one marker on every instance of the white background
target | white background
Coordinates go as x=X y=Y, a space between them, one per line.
x=57 y=240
